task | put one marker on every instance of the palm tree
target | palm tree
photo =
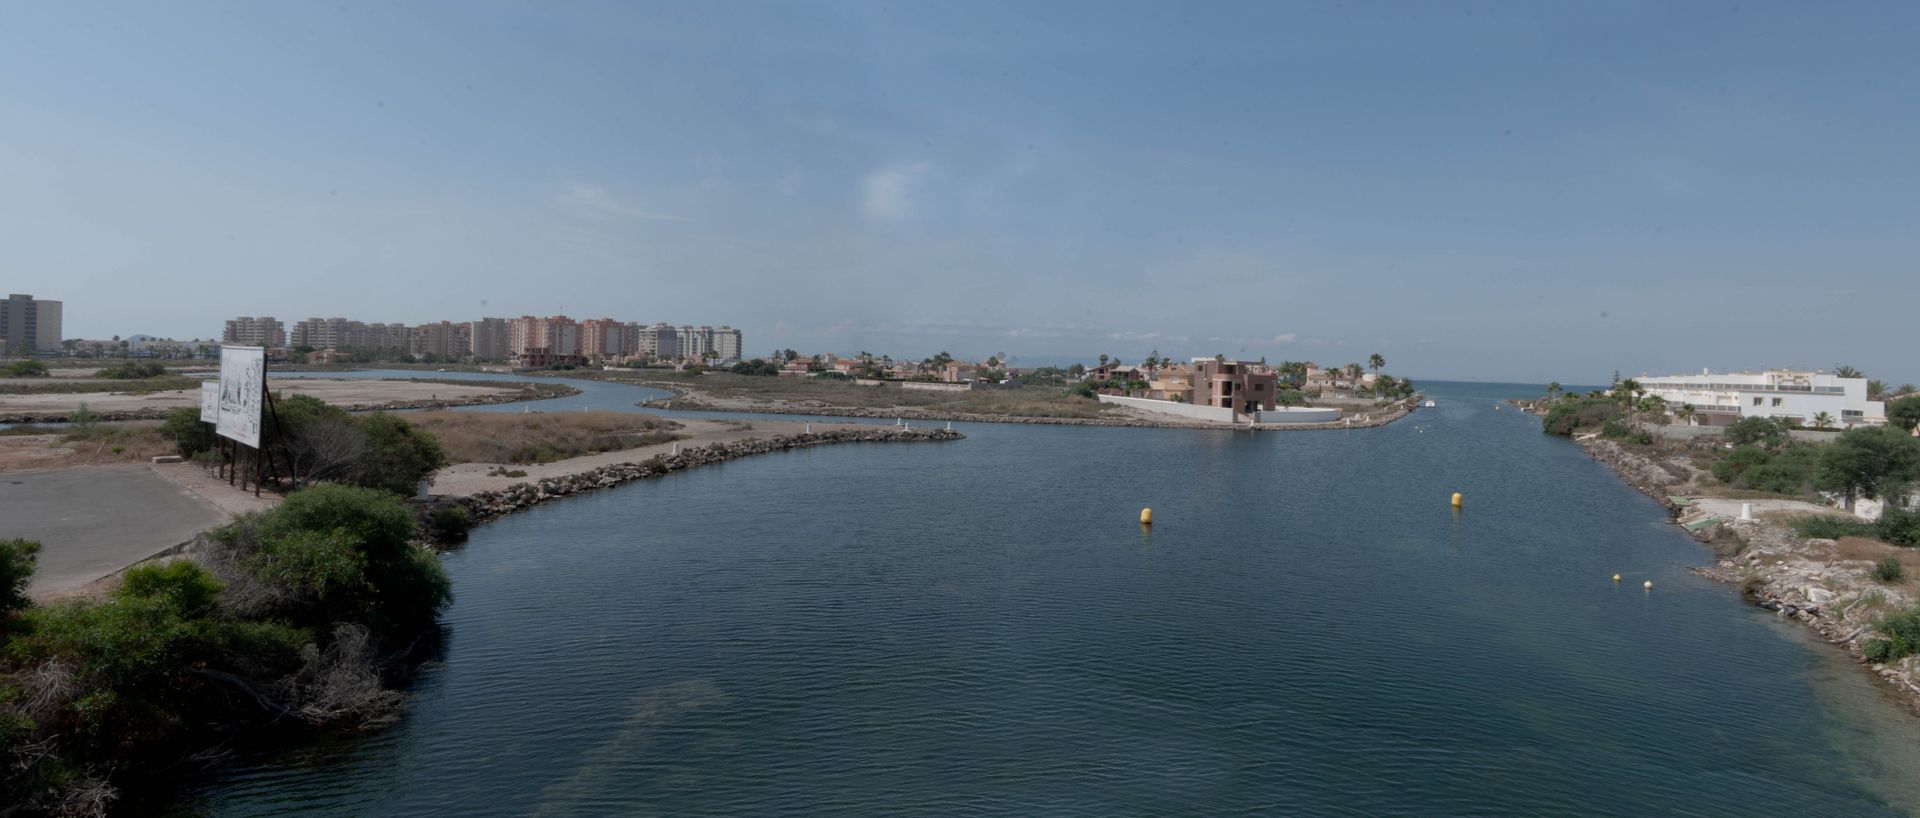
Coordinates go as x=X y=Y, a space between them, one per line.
x=1376 y=362
x=1822 y=420
x=1103 y=359
x=1876 y=389
x=1686 y=413
x=1845 y=371
x=1627 y=391
x=1553 y=389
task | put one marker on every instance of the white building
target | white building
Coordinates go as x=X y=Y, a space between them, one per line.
x=1719 y=399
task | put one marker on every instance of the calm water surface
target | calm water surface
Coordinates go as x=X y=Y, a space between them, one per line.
x=982 y=628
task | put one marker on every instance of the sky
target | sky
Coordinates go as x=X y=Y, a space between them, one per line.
x=1497 y=191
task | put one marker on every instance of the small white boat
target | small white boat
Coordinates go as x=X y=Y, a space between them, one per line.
x=1428 y=405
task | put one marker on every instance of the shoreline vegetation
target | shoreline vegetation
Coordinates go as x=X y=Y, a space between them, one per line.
x=1855 y=583
x=305 y=620
x=719 y=392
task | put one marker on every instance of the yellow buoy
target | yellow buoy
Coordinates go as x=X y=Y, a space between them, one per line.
x=1647 y=585
x=1146 y=516
x=1616 y=577
x=1456 y=499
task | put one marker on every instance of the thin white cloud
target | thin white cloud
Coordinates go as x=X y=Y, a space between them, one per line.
x=594 y=202
x=887 y=194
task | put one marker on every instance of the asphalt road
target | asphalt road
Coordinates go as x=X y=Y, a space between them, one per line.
x=96 y=520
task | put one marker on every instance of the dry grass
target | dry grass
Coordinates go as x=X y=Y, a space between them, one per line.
x=505 y=437
x=44 y=447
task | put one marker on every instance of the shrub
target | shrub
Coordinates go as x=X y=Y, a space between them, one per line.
x=449 y=522
x=1901 y=636
x=17 y=558
x=1832 y=528
x=131 y=656
x=398 y=455
x=1869 y=461
x=1082 y=389
x=132 y=370
x=1765 y=432
x=1888 y=569
x=1567 y=417
x=190 y=437
x=1900 y=526
x=26 y=369
x=334 y=553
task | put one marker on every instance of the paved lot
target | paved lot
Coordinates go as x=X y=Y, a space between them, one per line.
x=95 y=520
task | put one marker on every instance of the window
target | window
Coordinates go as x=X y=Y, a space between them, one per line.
x=1756 y=401
x=1776 y=401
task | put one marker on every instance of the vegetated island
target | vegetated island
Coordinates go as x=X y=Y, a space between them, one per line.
x=1060 y=404
x=307 y=618
x=1803 y=553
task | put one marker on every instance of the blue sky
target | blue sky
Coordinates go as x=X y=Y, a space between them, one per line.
x=1520 y=191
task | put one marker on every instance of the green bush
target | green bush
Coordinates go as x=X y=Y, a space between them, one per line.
x=26 y=369
x=17 y=559
x=1833 y=528
x=1888 y=569
x=1901 y=636
x=1900 y=526
x=1617 y=429
x=1765 y=432
x=132 y=370
x=449 y=522
x=189 y=435
x=1569 y=416
x=398 y=456
x=131 y=655
x=339 y=553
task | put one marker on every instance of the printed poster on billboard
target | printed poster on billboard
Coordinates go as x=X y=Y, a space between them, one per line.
x=210 y=402
x=243 y=372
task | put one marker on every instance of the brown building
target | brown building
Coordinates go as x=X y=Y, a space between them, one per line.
x=1233 y=385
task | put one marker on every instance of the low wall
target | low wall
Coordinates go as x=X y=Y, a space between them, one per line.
x=936 y=386
x=1297 y=414
x=1216 y=414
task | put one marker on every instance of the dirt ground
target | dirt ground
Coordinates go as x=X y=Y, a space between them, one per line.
x=341 y=392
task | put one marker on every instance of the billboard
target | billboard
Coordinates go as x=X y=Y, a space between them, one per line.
x=243 y=375
x=209 y=401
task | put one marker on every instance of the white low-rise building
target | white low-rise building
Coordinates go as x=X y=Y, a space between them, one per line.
x=1721 y=398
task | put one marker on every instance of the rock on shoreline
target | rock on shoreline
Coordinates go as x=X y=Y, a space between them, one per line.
x=1810 y=581
x=487 y=505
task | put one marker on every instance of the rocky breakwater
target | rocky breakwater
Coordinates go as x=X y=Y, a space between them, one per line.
x=489 y=504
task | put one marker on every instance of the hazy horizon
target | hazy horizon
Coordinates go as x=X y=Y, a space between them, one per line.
x=1476 y=192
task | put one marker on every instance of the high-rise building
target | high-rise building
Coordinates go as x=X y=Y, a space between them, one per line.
x=264 y=331
x=554 y=336
x=445 y=340
x=695 y=343
x=324 y=333
x=489 y=339
x=606 y=338
x=658 y=341
x=726 y=343
x=29 y=325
